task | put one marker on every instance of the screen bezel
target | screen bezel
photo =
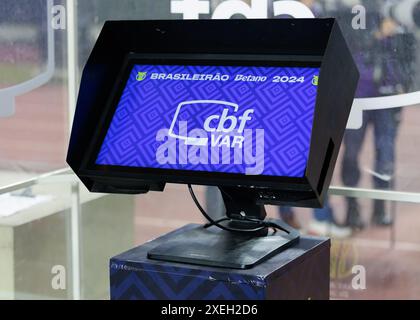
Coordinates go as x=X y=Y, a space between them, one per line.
x=90 y=168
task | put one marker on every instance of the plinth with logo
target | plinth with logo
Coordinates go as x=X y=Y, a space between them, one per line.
x=299 y=272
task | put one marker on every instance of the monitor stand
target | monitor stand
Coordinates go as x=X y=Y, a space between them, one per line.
x=208 y=245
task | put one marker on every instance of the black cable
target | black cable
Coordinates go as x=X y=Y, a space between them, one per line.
x=209 y=224
x=217 y=224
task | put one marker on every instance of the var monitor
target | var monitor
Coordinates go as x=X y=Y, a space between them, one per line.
x=257 y=108
x=256 y=105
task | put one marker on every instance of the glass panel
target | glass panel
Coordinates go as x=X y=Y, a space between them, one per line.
x=36 y=241
x=93 y=13
x=384 y=38
x=33 y=91
x=375 y=263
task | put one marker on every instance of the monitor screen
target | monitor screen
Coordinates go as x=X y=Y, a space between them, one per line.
x=247 y=120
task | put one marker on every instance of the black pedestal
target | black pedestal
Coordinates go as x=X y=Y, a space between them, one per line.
x=299 y=272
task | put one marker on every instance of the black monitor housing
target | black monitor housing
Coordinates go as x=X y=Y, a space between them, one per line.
x=303 y=42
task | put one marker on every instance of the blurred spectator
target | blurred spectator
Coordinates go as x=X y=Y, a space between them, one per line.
x=384 y=53
x=384 y=71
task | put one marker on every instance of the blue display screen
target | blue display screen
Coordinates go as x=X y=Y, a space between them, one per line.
x=229 y=119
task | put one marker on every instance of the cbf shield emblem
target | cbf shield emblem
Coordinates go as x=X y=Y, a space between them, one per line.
x=141 y=76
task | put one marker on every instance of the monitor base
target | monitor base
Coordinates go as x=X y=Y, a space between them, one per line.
x=218 y=248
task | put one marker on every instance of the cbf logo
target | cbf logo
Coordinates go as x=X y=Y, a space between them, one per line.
x=141 y=76
x=212 y=132
x=226 y=127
